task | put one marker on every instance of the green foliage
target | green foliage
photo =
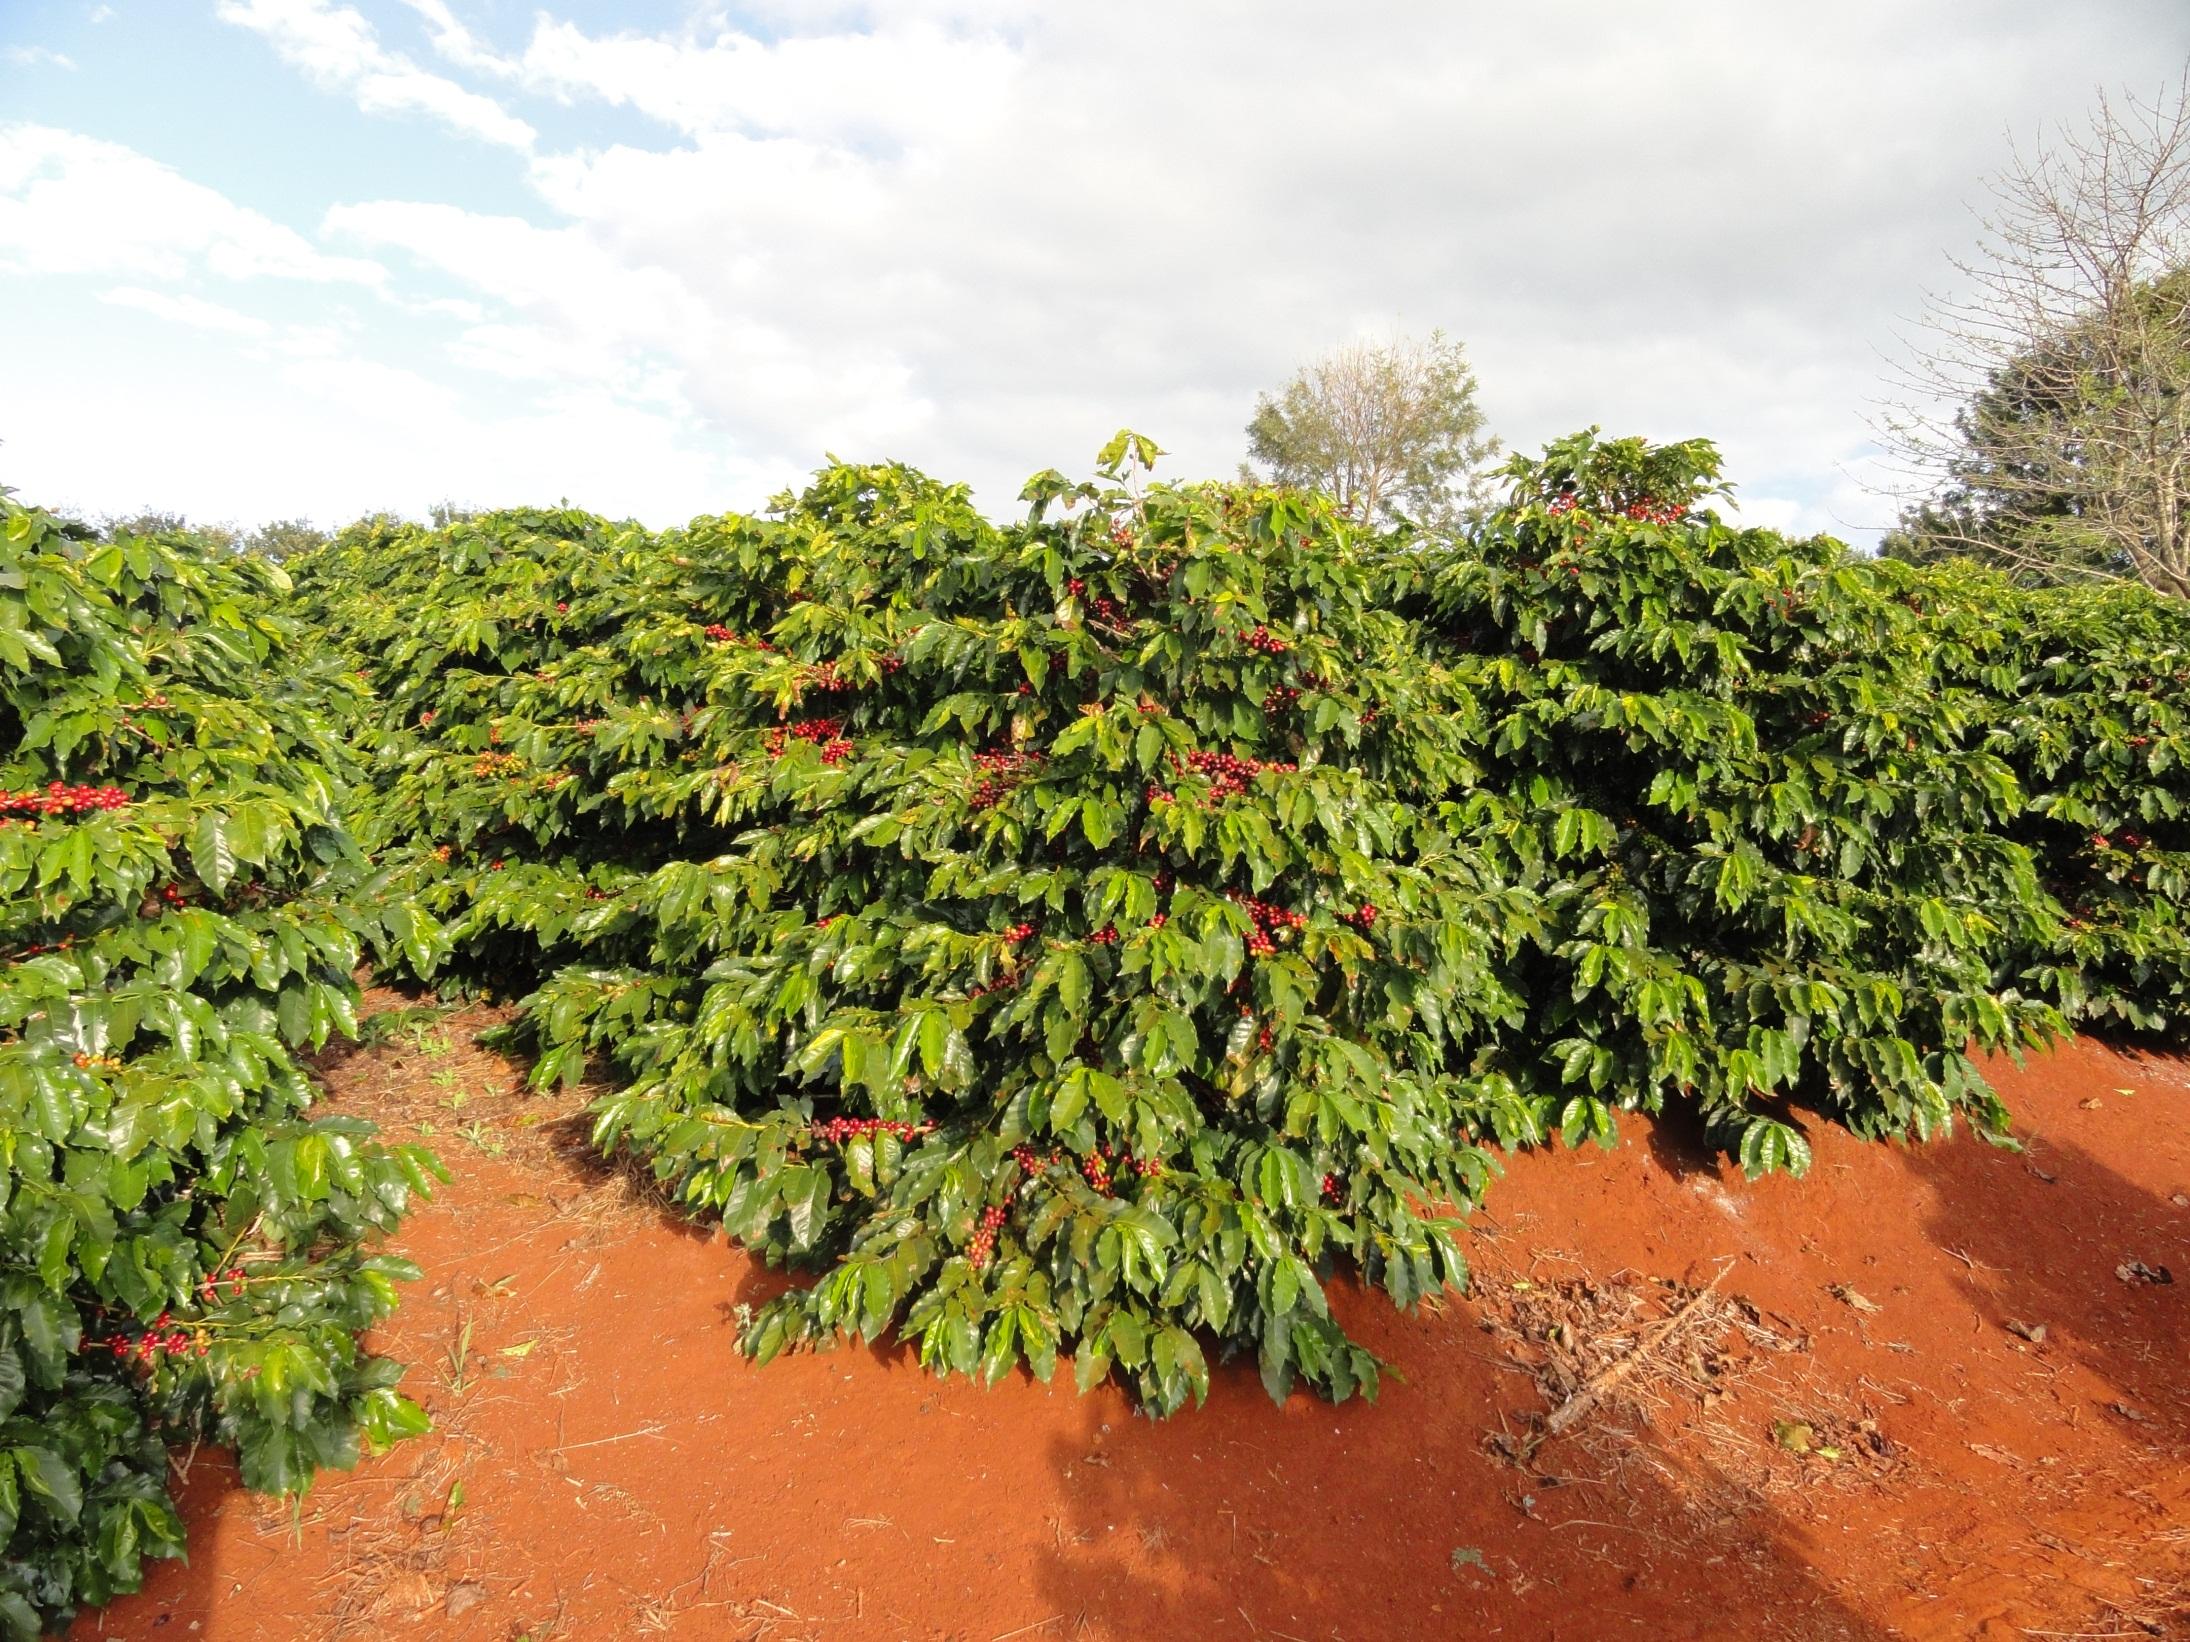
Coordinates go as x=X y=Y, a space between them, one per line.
x=2091 y=693
x=908 y=870
x=1086 y=937
x=1801 y=823
x=180 y=912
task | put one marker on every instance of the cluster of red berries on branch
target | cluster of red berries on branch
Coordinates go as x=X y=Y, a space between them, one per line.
x=1099 y=1171
x=168 y=897
x=1157 y=920
x=593 y=894
x=96 y=1063
x=1106 y=936
x=1330 y=1186
x=983 y=1246
x=63 y=799
x=562 y=607
x=1267 y=642
x=1269 y=921
x=1005 y=982
x=426 y=717
x=1227 y=775
x=837 y=1130
x=489 y=766
x=1279 y=698
x=1018 y=933
x=232 y=1279
x=1000 y=772
x=1651 y=511
x=1264 y=1039
x=719 y=633
x=1363 y=917
x=167 y=1342
x=827 y=733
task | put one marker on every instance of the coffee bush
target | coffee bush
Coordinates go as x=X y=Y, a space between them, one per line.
x=186 y=1246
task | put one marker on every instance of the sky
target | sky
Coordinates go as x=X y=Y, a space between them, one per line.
x=296 y=258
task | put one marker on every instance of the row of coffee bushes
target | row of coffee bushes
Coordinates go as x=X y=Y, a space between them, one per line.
x=1086 y=935
x=183 y=1247
x=1030 y=928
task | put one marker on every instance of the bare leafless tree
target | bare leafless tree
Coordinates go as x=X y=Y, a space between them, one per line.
x=2048 y=418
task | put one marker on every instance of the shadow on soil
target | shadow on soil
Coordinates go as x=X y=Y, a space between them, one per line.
x=1390 y=1523
x=2108 y=1283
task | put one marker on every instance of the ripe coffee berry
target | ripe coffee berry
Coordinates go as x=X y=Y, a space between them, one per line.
x=821 y=731
x=63 y=799
x=984 y=1240
x=837 y=1130
x=1000 y=771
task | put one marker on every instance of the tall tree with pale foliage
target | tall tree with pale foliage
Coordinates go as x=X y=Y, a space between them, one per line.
x=1390 y=430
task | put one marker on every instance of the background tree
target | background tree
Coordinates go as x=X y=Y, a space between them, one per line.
x=279 y=538
x=1390 y=430
x=2050 y=419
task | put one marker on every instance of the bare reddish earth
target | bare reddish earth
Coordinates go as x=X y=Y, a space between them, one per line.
x=623 y=1473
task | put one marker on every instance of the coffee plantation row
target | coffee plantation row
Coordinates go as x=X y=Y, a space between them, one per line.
x=1084 y=937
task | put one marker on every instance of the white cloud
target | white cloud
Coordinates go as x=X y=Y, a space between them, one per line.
x=38 y=57
x=452 y=39
x=72 y=204
x=339 y=50
x=905 y=84
x=187 y=310
x=982 y=235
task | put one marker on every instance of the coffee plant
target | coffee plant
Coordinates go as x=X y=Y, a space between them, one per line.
x=1029 y=930
x=1801 y=822
x=1087 y=936
x=2092 y=688
x=183 y=1247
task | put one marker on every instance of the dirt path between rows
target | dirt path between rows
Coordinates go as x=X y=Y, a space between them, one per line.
x=1935 y=1392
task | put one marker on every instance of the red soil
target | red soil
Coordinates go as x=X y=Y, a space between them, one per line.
x=623 y=1473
